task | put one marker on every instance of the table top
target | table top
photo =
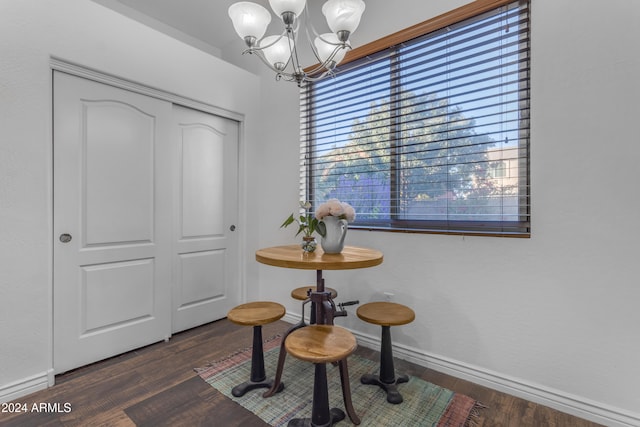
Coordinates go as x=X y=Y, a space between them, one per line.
x=292 y=256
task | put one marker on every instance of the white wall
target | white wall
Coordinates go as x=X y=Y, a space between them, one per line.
x=553 y=318
x=83 y=32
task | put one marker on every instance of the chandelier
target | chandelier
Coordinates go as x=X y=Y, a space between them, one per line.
x=280 y=52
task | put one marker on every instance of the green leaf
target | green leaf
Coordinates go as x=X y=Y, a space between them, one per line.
x=322 y=228
x=288 y=221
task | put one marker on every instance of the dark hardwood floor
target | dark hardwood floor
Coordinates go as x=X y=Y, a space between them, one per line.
x=157 y=386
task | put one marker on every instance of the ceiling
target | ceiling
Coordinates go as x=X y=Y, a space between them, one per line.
x=203 y=23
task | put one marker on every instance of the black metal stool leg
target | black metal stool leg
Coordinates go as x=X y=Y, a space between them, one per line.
x=321 y=415
x=387 y=379
x=258 y=376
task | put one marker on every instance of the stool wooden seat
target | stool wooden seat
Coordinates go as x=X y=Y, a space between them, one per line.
x=322 y=344
x=256 y=314
x=386 y=314
x=302 y=293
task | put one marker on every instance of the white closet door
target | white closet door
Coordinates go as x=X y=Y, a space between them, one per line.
x=112 y=221
x=207 y=281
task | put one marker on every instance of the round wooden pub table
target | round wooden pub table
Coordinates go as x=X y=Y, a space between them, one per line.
x=292 y=256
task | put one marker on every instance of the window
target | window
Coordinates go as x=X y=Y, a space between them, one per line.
x=430 y=134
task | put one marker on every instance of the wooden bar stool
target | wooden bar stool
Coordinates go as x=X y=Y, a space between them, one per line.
x=386 y=314
x=256 y=314
x=322 y=344
x=303 y=293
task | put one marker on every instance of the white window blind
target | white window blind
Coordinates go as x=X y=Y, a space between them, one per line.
x=432 y=134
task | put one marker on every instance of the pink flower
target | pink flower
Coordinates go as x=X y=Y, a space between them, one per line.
x=334 y=207
x=322 y=211
x=349 y=212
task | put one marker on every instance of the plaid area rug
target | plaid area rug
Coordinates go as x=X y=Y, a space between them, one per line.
x=425 y=404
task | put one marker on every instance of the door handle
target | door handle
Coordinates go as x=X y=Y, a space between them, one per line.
x=65 y=238
x=232 y=228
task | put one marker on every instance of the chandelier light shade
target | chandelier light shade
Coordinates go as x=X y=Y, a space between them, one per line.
x=250 y=20
x=343 y=15
x=276 y=51
x=325 y=45
x=280 y=52
x=281 y=6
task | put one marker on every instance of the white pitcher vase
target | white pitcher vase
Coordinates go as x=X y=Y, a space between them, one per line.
x=336 y=230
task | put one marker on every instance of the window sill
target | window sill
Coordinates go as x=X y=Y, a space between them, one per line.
x=518 y=235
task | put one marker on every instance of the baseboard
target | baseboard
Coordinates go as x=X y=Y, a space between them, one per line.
x=26 y=386
x=559 y=400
